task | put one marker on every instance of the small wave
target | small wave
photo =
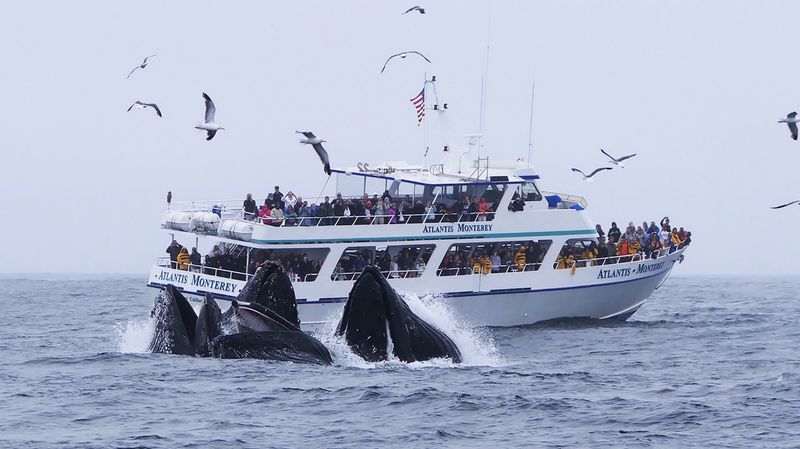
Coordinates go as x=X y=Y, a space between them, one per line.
x=134 y=336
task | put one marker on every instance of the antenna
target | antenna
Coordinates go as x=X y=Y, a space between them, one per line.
x=484 y=82
x=530 y=127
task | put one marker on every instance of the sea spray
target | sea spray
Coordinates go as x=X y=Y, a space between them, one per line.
x=134 y=336
x=476 y=345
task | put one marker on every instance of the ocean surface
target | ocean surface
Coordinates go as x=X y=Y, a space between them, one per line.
x=707 y=362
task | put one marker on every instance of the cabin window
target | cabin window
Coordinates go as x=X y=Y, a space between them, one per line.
x=494 y=257
x=395 y=262
x=301 y=264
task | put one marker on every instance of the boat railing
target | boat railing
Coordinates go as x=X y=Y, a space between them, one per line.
x=496 y=269
x=390 y=274
x=359 y=220
x=611 y=260
x=223 y=272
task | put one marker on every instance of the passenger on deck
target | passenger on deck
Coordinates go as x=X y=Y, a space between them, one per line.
x=482 y=265
x=277 y=216
x=565 y=259
x=277 y=196
x=592 y=252
x=430 y=213
x=652 y=229
x=496 y=262
x=183 y=259
x=392 y=213
x=483 y=209
x=264 y=212
x=325 y=212
x=630 y=232
x=634 y=248
x=249 y=207
x=520 y=259
x=599 y=230
x=291 y=216
x=338 y=205
x=463 y=209
x=654 y=246
x=614 y=233
x=602 y=251
x=173 y=250
x=305 y=215
x=379 y=212
x=623 y=250
x=394 y=268
x=612 y=252
x=386 y=197
x=664 y=236
x=686 y=241
x=195 y=259
x=641 y=238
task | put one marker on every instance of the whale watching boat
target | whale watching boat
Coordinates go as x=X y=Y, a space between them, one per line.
x=515 y=260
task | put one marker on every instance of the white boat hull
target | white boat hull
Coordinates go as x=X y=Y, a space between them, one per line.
x=601 y=292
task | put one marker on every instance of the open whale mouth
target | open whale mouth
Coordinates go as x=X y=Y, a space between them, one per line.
x=376 y=318
x=272 y=289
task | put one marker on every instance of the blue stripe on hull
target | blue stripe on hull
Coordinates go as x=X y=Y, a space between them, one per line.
x=461 y=294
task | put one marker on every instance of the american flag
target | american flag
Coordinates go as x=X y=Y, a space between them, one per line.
x=419 y=104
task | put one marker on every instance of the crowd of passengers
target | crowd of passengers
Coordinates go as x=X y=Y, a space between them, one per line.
x=222 y=261
x=406 y=264
x=637 y=242
x=291 y=210
x=494 y=259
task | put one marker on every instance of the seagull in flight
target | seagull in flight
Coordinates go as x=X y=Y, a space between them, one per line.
x=791 y=120
x=616 y=161
x=588 y=178
x=403 y=56
x=210 y=125
x=139 y=105
x=316 y=142
x=415 y=8
x=140 y=66
x=787 y=204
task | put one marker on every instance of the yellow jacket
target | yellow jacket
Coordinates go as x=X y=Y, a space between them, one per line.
x=183 y=259
x=520 y=259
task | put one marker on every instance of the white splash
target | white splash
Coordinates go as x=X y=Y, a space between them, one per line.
x=134 y=336
x=476 y=345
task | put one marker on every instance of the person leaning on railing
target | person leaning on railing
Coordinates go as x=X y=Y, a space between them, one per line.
x=520 y=258
x=184 y=259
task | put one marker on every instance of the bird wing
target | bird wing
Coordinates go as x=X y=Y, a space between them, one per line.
x=787 y=204
x=610 y=156
x=146 y=58
x=411 y=9
x=423 y=56
x=626 y=157
x=598 y=170
x=389 y=59
x=134 y=69
x=578 y=171
x=308 y=134
x=793 y=129
x=131 y=106
x=323 y=156
x=210 y=111
x=211 y=134
x=154 y=106
x=791 y=115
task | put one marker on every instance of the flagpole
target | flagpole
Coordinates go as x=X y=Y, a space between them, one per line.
x=530 y=127
x=427 y=136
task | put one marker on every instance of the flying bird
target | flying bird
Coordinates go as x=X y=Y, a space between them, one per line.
x=616 y=161
x=316 y=142
x=210 y=125
x=403 y=56
x=588 y=178
x=791 y=120
x=140 y=66
x=139 y=105
x=415 y=8
x=787 y=204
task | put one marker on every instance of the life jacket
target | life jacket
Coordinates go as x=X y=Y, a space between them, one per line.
x=486 y=265
x=634 y=247
x=676 y=239
x=519 y=258
x=184 y=260
x=623 y=249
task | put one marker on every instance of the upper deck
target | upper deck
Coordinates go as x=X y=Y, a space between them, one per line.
x=415 y=204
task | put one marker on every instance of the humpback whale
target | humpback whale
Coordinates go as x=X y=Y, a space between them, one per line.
x=375 y=313
x=263 y=323
x=175 y=323
x=263 y=334
x=208 y=327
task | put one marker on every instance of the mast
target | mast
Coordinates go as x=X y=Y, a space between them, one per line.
x=530 y=127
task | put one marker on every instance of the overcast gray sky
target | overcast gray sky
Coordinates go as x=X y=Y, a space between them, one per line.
x=695 y=88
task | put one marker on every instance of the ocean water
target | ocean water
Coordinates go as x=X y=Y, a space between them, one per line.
x=707 y=362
